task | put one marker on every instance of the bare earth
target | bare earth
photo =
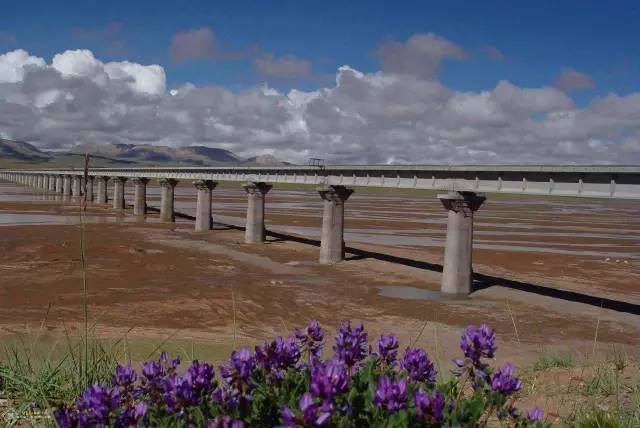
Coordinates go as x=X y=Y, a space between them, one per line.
x=164 y=283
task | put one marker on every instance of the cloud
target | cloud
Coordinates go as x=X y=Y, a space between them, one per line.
x=493 y=52
x=419 y=56
x=202 y=44
x=573 y=80
x=287 y=66
x=196 y=44
x=108 y=38
x=376 y=117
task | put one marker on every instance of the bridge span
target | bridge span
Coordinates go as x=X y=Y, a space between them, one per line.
x=464 y=189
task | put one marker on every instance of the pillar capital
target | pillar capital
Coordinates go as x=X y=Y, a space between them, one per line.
x=168 y=182
x=257 y=187
x=205 y=184
x=334 y=193
x=120 y=179
x=104 y=178
x=140 y=180
x=466 y=202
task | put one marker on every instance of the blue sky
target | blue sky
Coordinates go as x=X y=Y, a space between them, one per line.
x=537 y=39
x=358 y=81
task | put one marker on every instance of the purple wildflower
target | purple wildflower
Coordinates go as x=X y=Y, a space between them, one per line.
x=125 y=376
x=429 y=406
x=241 y=365
x=504 y=382
x=311 y=339
x=536 y=414
x=226 y=397
x=202 y=376
x=97 y=403
x=224 y=422
x=390 y=395
x=131 y=415
x=478 y=343
x=417 y=363
x=313 y=415
x=351 y=344
x=388 y=348
x=278 y=356
x=329 y=379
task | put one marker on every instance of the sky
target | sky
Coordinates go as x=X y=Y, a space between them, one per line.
x=453 y=82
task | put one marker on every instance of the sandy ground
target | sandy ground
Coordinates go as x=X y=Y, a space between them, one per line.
x=162 y=281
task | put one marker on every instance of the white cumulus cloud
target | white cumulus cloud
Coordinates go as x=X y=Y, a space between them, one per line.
x=390 y=116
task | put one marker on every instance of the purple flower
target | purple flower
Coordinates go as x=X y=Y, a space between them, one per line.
x=201 y=376
x=241 y=365
x=311 y=339
x=312 y=414
x=97 y=403
x=504 y=382
x=329 y=379
x=478 y=343
x=536 y=414
x=351 y=344
x=131 y=415
x=224 y=422
x=388 y=348
x=65 y=417
x=390 y=395
x=125 y=376
x=417 y=363
x=278 y=356
x=226 y=397
x=429 y=406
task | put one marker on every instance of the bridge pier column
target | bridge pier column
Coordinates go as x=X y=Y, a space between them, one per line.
x=45 y=183
x=204 y=221
x=102 y=190
x=59 y=180
x=66 y=185
x=457 y=274
x=118 y=192
x=52 y=183
x=332 y=241
x=255 y=232
x=140 y=198
x=88 y=196
x=167 y=186
x=75 y=186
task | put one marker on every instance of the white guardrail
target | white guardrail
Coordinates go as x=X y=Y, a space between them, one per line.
x=620 y=182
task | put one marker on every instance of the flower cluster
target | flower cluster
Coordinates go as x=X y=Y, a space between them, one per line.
x=287 y=383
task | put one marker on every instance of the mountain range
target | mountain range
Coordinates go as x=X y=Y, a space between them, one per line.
x=111 y=154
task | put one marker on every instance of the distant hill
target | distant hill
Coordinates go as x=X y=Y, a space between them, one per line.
x=21 y=151
x=110 y=154
x=146 y=153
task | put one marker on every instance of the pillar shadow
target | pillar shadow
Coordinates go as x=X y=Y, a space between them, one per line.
x=481 y=281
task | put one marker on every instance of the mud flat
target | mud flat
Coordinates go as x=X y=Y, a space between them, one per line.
x=157 y=281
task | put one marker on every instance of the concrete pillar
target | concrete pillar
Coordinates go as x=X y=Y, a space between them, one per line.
x=457 y=274
x=45 y=183
x=332 y=241
x=52 y=183
x=204 y=220
x=255 y=231
x=102 y=190
x=140 y=198
x=75 y=186
x=66 y=185
x=88 y=196
x=167 y=186
x=59 y=179
x=118 y=193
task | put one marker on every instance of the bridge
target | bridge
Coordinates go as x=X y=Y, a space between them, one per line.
x=464 y=190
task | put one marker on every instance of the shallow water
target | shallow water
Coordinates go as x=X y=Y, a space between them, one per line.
x=409 y=293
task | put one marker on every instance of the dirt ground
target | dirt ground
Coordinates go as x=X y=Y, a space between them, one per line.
x=156 y=280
